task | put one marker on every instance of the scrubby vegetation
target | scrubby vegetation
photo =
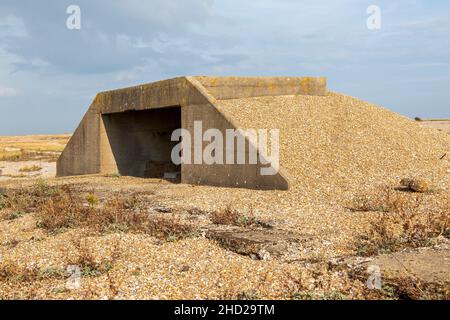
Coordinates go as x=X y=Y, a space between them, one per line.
x=113 y=175
x=24 y=200
x=120 y=213
x=45 y=148
x=230 y=216
x=402 y=220
x=85 y=216
x=59 y=208
x=33 y=168
x=23 y=155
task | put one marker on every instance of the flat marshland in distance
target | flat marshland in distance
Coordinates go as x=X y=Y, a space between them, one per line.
x=20 y=154
x=151 y=239
x=439 y=124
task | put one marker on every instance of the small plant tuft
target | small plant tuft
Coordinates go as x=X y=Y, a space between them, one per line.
x=92 y=200
x=33 y=168
x=113 y=175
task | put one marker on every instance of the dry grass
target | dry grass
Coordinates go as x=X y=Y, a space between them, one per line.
x=402 y=288
x=82 y=255
x=61 y=211
x=23 y=155
x=35 y=142
x=10 y=155
x=410 y=288
x=16 y=176
x=120 y=214
x=300 y=286
x=384 y=199
x=38 y=146
x=11 y=271
x=33 y=168
x=230 y=216
x=16 y=202
x=26 y=148
x=113 y=175
x=404 y=220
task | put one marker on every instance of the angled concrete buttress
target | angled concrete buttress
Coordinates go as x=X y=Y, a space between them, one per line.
x=128 y=131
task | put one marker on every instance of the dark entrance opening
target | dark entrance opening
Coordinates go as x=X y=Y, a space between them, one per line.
x=140 y=142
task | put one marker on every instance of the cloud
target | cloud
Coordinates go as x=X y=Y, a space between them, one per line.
x=11 y=26
x=115 y=35
x=123 y=43
x=8 y=92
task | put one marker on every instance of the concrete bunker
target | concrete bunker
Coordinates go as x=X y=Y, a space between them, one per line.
x=128 y=130
x=141 y=143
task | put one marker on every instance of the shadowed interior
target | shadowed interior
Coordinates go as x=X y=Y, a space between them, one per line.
x=140 y=141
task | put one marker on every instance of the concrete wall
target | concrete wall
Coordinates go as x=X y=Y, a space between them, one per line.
x=81 y=155
x=223 y=88
x=228 y=175
x=166 y=93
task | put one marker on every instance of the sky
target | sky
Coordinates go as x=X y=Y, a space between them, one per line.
x=49 y=74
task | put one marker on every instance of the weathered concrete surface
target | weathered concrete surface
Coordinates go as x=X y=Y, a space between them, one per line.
x=427 y=265
x=229 y=175
x=82 y=153
x=166 y=93
x=105 y=144
x=256 y=243
x=223 y=88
